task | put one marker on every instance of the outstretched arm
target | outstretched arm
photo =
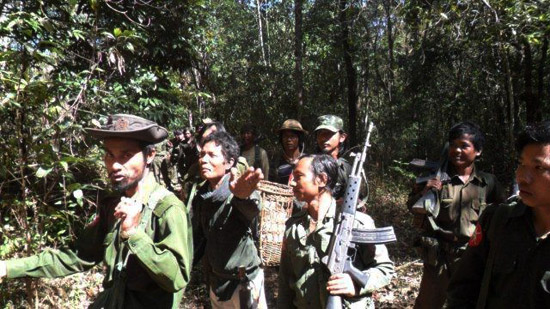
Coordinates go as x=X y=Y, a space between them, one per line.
x=83 y=255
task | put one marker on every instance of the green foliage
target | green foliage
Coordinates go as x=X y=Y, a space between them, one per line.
x=62 y=64
x=420 y=67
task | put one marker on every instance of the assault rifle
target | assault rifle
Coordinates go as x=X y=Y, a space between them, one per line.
x=345 y=238
x=428 y=203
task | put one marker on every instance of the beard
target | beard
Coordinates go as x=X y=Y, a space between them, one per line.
x=122 y=186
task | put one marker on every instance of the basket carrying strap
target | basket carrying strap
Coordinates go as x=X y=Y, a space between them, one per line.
x=498 y=222
x=256 y=157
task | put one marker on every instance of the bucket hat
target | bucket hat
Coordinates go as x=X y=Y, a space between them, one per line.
x=131 y=127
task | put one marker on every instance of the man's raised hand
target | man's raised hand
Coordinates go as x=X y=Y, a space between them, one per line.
x=242 y=186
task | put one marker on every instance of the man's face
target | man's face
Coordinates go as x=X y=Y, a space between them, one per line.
x=533 y=175
x=462 y=152
x=329 y=142
x=247 y=138
x=125 y=162
x=304 y=185
x=180 y=137
x=213 y=165
x=187 y=135
x=290 y=140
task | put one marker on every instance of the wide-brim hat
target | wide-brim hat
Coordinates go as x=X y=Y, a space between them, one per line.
x=330 y=122
x=131 y=127
x=292 y=124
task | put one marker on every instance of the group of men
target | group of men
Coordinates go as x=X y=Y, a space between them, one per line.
x=174 y=157
x=148 y=238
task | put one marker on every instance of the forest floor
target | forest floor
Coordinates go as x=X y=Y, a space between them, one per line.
x=386 y=206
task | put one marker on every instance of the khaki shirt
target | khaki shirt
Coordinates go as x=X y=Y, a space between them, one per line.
x=159 y=261
x=250 y=156
x=520 y=272
x=461 y=203
x=302 y=276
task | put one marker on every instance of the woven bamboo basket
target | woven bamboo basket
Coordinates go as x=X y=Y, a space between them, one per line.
x=276 y=209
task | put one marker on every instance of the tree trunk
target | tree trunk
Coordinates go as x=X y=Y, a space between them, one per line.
x=540 y=82
x=298 y=48
x=389 y=32
x=350 y=73
x=532 y=109
x=509 y=94
x=261 y=31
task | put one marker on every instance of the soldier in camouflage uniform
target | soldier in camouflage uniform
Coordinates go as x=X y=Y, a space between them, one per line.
x=167 y=160
x=141 y=234
x=507 y=262
x=189 y=151
x=304 y=281
x=158 y=167
x=462 y=200
x=330 y=137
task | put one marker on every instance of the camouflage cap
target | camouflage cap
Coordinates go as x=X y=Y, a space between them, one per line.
x=131 y=127
x=330 y=122
x=292 y=124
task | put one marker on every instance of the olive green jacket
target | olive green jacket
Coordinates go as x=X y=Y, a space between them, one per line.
x=159 y=259
x=302 y=276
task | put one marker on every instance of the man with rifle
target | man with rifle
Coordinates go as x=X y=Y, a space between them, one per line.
x=449 y=206
x=305 y=281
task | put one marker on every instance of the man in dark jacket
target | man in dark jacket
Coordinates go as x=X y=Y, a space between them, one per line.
x=225 y=207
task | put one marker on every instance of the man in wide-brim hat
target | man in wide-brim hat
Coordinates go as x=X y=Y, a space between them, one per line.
x=141 y=233
x=292 y=139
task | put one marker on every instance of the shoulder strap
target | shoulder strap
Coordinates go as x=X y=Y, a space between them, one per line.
x=497 y=224
x=256 y=156
x=170 y=200
x=159 y=194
